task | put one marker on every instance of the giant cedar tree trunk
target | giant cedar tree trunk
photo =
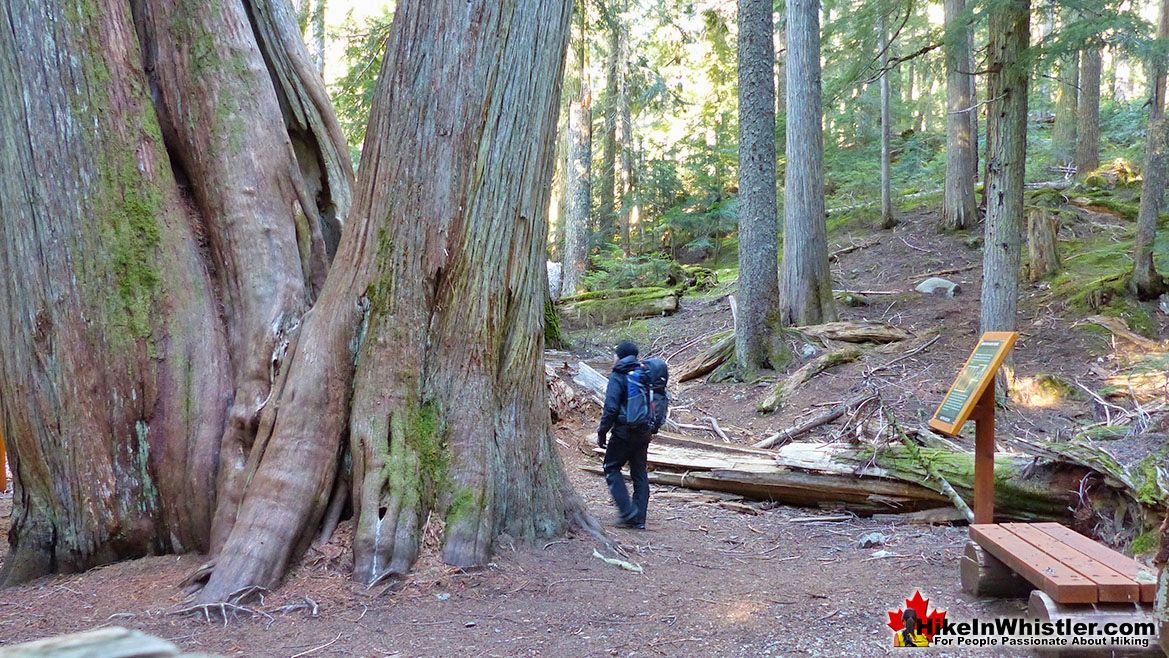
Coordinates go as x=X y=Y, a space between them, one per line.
x=607 y=213
x=756 y=338
x=805 y=281
x=1088 y=111
x=959 y=208
x=1006 y=138
x=434 y=311
x=580 y=162
x=184 y=234
x=1146 y=282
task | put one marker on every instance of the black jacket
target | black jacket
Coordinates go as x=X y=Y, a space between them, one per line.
x=615 y=396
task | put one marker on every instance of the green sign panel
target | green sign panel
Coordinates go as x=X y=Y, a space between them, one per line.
x=967 y=383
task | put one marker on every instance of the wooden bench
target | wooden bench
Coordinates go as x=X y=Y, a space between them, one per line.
x=1065 y=565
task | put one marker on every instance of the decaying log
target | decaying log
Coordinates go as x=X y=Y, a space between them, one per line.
x=983 y=574
x=1119 y=328
x=713 y=357
x=601 y=308
x=562 y=400
x=855 y=332
x=789 y=434
x=788 y=386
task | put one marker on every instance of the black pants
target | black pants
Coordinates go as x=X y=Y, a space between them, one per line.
x=625 y=449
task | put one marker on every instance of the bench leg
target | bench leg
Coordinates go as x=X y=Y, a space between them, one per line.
x=985 y=575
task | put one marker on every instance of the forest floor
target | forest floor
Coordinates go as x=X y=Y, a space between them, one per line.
x=717 y=581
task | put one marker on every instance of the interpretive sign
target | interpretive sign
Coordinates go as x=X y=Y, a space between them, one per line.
x=972 y=381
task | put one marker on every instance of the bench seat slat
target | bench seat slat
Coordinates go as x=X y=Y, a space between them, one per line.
x=1113 y=587
x=1042 y=570
x=1145 y=576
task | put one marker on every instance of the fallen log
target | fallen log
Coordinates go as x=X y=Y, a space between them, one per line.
x=713 y=357
x=112 y=642
x=788 y=386
x=863 y=481
x=863 y=331
x=595 y=309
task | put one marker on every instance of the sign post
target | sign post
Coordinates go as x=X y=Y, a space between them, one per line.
x=971 y=397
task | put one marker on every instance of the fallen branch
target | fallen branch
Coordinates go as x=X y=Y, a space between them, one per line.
x=851 y=248
x=624 y=564
x=916 y=350
x=943 y=484
x=717 y=430
x=789 y=434
x=786 y=388
x=949 y=270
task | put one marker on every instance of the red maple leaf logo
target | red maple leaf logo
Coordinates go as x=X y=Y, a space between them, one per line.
x=928 y=623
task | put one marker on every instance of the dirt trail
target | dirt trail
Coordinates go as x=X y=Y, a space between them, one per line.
x=716 y=582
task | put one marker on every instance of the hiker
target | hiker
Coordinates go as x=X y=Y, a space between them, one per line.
x=628 y=443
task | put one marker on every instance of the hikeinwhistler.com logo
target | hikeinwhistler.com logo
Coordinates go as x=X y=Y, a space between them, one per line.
x=917 y=625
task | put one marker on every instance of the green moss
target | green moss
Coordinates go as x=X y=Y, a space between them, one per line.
x=618 y=294
x=1146 y=478
x=464 y=504
x=1104 y=433
x=1144 y=543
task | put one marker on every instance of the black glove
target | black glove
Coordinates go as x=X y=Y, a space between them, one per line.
x=601 y=441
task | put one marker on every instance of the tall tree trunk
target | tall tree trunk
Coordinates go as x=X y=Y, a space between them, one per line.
x=212 y=223
x=1063 y=134
x=959 y=208
x=1088 y=112
x=805 y=281
x=780 y=72
x=432 y=316
x=887 y=218
x=1006 y=137
x=580 y=162
x=756 y=330
x=972 y=82
x=607 y=213
x=1147 y=282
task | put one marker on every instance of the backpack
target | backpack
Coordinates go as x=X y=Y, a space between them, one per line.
x=659 y=376
x=636 y=412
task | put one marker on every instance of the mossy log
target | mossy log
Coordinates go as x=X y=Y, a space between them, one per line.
x=710 y=359
x=848 y=477
x=606 y=307
x=784 y=389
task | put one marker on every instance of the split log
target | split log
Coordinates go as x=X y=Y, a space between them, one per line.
x=983 y=574
x=787 y=387
x=789 y=434
x=714 y=356
x=855 y=332
x=562 y=400
x=596 y=309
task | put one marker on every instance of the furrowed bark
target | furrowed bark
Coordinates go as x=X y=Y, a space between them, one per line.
x=265 y=211
x=441 y=342
x=805 y=281
x=1006 y=154
x=757 y=340
x=114 y=368
x=887 y=218
x=1088 y=112
x=580 y=159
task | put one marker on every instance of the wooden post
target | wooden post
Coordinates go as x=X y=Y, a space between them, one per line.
x=984 y=456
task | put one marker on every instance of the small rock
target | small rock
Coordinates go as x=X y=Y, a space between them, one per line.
x=442 y=596
x=882 y=553
x=469 y=624
x=872 y=539
x=936 y=284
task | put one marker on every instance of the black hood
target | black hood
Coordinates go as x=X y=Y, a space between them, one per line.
x=626 y=364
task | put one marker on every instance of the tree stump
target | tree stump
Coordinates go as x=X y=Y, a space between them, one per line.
x=985 y=575
x=1042 y=243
